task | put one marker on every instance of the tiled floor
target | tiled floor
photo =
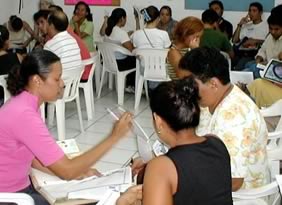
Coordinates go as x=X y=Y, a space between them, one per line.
x=99 y=128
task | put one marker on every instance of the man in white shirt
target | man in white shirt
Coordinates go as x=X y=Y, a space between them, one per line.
x=61 y=42
x=272 y=46
x=251 y=27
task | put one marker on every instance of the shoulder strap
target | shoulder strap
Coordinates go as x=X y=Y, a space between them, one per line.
x=148 y=38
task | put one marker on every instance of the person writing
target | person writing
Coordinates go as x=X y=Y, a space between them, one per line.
x=25 y=139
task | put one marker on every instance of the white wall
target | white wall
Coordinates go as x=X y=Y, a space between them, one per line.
x=31 y=6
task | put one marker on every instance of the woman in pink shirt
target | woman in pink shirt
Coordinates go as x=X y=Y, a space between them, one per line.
x=25 y=141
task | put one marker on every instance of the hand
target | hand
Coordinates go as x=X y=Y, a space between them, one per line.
x=137 y=165
x=280 y=56
x=245 y=20
x=75 y=18
x=122 y=126
x=89 y=173
x=130 y=196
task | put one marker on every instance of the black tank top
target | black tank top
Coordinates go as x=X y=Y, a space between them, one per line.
x=204 y=173
x=7 y=61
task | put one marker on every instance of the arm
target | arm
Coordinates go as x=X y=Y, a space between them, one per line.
x=237 y=183
x=173 y=58
x=104 y=26
x=131 y=196
x=72 y=168
x=128 y=45
x=159 y=186
x=236 y=36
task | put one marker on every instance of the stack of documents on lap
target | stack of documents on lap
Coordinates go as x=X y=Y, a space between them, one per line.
x=55 y=189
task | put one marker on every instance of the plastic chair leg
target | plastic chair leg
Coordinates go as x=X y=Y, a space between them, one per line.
x=60 y=115
x=138 y=92
x=101 y=83
x=88 y=101
x=97 y=77
x=79 y=113
x=120 y=87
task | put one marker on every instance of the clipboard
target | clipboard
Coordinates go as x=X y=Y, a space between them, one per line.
x=143 y=140
x=273 y=71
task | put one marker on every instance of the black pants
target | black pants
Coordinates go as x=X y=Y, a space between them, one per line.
x=37 y=197
x=126 y=64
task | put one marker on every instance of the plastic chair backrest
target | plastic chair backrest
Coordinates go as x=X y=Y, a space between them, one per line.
x=107 y=51
x=154 y=61
x=18 y=198
x=241 y=76
x=93 y=61
x=71 y=79
x=3 y=83
x=269 y=193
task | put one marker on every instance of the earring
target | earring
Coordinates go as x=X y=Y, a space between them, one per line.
x=159 y=131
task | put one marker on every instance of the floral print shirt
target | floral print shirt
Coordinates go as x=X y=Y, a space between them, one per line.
x=238 y=123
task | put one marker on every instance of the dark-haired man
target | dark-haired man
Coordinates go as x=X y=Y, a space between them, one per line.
x=224 y=25
x=61 y=42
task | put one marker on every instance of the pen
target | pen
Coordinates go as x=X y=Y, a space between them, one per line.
x=113 y=114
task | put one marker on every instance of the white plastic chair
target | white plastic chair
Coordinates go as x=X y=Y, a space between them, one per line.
x=266 y=195
x=18 y=198
x=71 y=79
x=88 y=86
x=3 y=83
x=107 y=51
x=154 y=62
x=241 y=76
x=274 y=147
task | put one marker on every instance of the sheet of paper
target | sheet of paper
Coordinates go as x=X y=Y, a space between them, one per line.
x=69 y=146
x=109 y=198
x=44 y=179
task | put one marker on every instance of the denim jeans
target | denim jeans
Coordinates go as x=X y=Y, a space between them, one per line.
x=252 y=67
x=38 y=199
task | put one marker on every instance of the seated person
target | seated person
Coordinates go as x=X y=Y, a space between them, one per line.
x=265 y=92
x=7 y=59
x=223 y=25
x=231 y=115
x=249 y=34
x=25 y=139
x=82 y=24
x=167 y=23
x=180 y=176
x=115 y=34
x=18 y=30
x=272 y=46
x=150 y=36
x=187 y=36
x=212 y=37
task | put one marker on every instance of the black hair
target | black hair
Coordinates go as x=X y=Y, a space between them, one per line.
x=41 y=13
x=176 y=102
x=257 y=5
x=205 y=63
x=16 y=23
x=116 y=15
x=150 y=13
x=209 y=16
x=89 y=15
x=35 y=63
x=53 y=7
x=4 y=36
x=59 y=20
x=277 y=9
x=275 y=19
x=219 y=3
x=167 y=8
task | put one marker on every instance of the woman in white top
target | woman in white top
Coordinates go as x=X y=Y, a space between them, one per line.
x=115 y=34
x=151 y=36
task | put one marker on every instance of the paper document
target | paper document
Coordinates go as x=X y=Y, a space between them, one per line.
x=89 y=188
x=68 y=146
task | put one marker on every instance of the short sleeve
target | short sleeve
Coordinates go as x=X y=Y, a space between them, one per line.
x=262 y=50
x=37 y=138
x=123 y=36
x=89 y=28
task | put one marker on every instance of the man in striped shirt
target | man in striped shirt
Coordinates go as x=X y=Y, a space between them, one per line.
x=61 y=42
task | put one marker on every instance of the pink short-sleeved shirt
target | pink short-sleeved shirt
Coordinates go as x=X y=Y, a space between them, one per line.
x=23 y=136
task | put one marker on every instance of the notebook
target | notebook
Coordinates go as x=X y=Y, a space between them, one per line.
x=273 y=71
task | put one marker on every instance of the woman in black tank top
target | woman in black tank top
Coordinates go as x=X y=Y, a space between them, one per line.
x=196 y=170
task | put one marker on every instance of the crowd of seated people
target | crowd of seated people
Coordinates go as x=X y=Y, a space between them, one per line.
x=199 y=114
